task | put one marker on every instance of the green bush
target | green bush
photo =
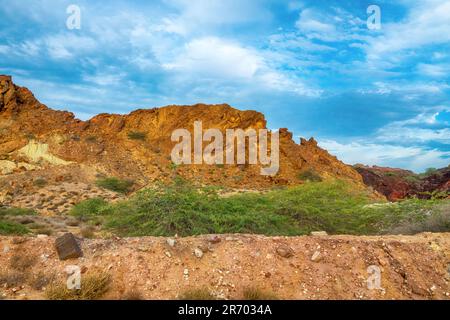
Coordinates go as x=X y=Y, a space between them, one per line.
x=9 y=228
x=437 y=222
x=333 y=206
x=88 y=208
x=115 y=184
x=136 y=135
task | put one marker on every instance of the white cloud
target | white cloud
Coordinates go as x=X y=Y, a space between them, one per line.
x=433 y=70
x=428 y=23
x=65 y=45
x=413 y=158
x=105 y=78
x=216 y=58
x=222 y=60
x=311 y=21
x=197 y=16
x=423 y=128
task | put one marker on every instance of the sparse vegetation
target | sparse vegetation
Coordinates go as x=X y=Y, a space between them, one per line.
x=253 y=293
x=309 y=175
x=12 y=279
x=428 y=172
x=88 y=232
x=8 y=228
x=197 y=294
x=133 y=295
x=430 y=222
x=88 y=208
x=40 y=182
x=115 y=184
x=91 y=139
x=93 y=287
x=17 y=212
x=22 y=261
x=137 y=135
x=41 y=280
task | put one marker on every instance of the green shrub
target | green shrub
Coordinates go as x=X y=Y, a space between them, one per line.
x=8 y=228
x=88 y=208
x=333 y=206
x=437 y=222
x=115 y=184
x=428 y=172
x=136 y=135
x=309 y=175
x=17 y=212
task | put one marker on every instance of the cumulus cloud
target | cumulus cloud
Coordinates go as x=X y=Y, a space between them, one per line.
x=414 y=158
x=427 y=23
x=214 y=57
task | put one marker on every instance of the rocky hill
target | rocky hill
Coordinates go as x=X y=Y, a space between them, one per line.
x=37 y=142
x=398 y=184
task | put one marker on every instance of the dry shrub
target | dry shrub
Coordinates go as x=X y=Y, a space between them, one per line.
x=197 y=294
x=22 y=261
x=93 y=287
x=436 y=222
x=12 y=279
x=88 y=232
x=41 y=280
x=133 y=294
x=253 y=293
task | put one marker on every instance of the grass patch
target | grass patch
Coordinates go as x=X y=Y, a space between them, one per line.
x=41 y=280
x=9 y=228
x=115 y=184
x=17 y=212
x=132 y=295
x=137 y=135
x=22 y=261
x=253 y=293
x=93 y=287
x=430 y=222
x=88 y=208
x=197 y=294
x=40 y=182
x=309 y=175
x=12 y=279
x=88 y=232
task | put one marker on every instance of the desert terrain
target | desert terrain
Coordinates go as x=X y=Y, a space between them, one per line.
x=142 y=227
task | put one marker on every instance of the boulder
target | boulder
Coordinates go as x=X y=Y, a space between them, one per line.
x=67 y=247
x=285 y=251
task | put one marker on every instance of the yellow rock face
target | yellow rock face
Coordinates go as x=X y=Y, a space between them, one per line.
x=37 y=152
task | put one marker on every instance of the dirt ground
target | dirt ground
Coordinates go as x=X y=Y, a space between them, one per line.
x=309 y=267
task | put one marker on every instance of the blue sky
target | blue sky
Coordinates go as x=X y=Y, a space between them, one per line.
x=378 y=97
